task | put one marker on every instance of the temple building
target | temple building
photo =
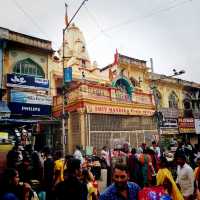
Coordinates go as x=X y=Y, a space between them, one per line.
x=104 y=105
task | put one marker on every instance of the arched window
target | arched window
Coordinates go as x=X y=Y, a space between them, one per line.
x=124 y=85
x=173 y=100
x=187 y=104
x=187 y=101
x=29 y=67
x=158 y=98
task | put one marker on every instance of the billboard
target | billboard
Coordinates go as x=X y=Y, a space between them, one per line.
x=26 y=81
x=186 y=125
x=30 y=98
x=29 y=109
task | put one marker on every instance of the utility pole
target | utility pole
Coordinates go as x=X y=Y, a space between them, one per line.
x=63 y=139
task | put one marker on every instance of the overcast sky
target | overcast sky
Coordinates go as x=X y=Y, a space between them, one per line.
x=166 y=30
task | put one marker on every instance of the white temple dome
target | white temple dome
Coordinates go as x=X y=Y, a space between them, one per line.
x=75 y=45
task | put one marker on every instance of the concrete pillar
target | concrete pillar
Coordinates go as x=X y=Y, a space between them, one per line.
x=82 y=128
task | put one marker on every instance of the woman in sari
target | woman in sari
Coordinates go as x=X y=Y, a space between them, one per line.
x=146 y=168
x=197 y=178
x=165 y=179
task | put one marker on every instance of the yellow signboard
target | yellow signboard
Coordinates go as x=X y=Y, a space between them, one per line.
x=4 y=135
x=104 y=109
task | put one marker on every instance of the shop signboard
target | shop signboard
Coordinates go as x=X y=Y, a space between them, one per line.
x=197 y=126
x=30 y=98
x=26 y=81
x=4 y=110
x=169 y=123
x=29 y=109
x=169 y=113
x=186 y=125
x=4 y=135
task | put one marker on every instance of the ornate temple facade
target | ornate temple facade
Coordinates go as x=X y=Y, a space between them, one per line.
x=108 y=104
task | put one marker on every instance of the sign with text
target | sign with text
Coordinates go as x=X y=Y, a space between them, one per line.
x=103 y=109
x=197 y=125
x=170 y=123
x=25 y=81
x=186 y=125
x=169 y=112
x=29 y=97
x=29 y=109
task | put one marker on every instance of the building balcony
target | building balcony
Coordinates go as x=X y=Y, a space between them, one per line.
x=104 y=95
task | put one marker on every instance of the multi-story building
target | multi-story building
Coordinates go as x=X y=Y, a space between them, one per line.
x=105 y=106
x=178 y=107
x=24 y=84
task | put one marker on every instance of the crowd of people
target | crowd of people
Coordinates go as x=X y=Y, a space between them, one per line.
x=49 y=175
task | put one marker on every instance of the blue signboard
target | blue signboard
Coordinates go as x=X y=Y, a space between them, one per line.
x=29 y=109
x=67 y=74
x=25 y=81
x=30 y=97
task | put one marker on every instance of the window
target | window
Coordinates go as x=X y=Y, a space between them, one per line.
x=158 y=99
x=83 y=63
x=173 y=100
x=187 y=105
x=29 y=67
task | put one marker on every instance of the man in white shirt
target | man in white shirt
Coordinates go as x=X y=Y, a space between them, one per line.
x=77 y=154
x=156 y=149
x=185 y=177
x=105 y=156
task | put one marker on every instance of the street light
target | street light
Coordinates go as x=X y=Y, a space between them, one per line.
x=63 y=88
x=158 y=114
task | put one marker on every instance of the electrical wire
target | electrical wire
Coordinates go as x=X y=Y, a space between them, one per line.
x=149 y=15
x=30 y=18
x=96 y=23
x=152 y=13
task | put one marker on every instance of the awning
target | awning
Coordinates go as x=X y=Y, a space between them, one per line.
x=4 y=110
x=30 y=121
x=19 y=120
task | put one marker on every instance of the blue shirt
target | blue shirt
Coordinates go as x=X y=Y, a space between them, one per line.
x=111 y=192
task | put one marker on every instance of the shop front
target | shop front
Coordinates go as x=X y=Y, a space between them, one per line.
x=187 y=129
x=30 y=105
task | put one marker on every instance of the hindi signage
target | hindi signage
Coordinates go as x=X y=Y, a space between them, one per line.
x=186 y=125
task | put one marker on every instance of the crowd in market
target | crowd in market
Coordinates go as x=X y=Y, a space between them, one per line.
x=144 y=173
